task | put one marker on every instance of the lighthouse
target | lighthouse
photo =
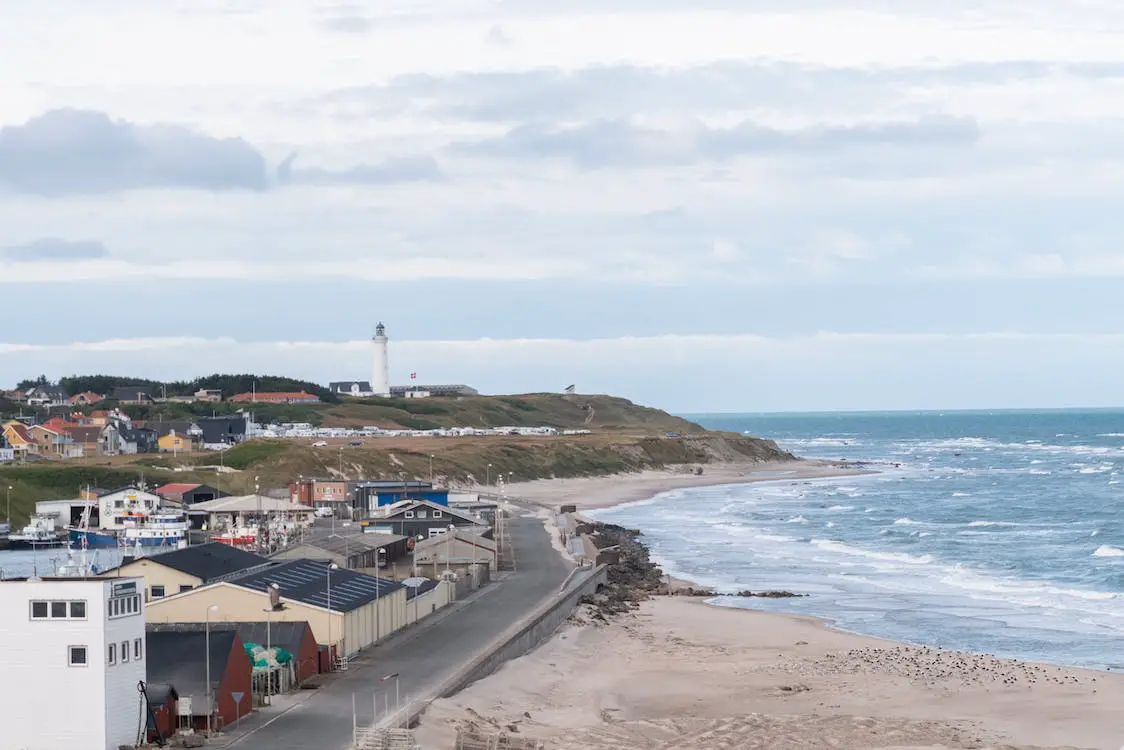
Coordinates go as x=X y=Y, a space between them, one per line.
x=380 y=372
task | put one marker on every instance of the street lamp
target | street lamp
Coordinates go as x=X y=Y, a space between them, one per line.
x=394 y=677
x=431 y=468
x=449 y=546
x=274 y=605
x=8 y=517
x=207 y=660
x=331 y=656
x=378 y=587
x=488 y=477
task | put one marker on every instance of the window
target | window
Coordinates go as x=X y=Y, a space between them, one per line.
x=185 y=587
x=436 y=514
x=124 y=652
x=39 y=610
x=421 y=514
x=409 y=514
x=78 y=610
x=138 y=649
x=76 y=655
x=157 y=592
x=436 y=532
x=111 y=654
x=114 y=607
x=58 y=610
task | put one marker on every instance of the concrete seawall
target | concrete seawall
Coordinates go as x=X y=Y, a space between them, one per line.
x=521 y=638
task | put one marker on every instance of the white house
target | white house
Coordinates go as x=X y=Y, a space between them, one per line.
x=77 y=644
x=125 y=504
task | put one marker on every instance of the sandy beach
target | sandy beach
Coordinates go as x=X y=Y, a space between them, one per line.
x=603 y=492
x=679 y=673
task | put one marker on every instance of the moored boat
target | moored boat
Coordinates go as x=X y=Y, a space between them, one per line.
x=40 y=533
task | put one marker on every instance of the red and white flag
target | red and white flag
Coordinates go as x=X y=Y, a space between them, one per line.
x=413 y=376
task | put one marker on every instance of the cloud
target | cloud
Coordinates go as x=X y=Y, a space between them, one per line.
x=70 y=151
x=608 y=143
x=346 y=19
x=50 y=249
x=392 y=170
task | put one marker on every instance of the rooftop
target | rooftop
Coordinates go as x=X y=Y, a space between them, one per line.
x=176 y=488
x=207 y=561
x=250 y=504
x=306 y=581
x=173 y=657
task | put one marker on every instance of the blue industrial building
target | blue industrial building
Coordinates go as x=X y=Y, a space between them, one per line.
x=375 y=494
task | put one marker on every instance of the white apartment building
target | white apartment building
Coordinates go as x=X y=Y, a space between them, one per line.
x=75 y=644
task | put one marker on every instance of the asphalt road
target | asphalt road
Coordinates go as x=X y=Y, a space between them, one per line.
x=324 y=721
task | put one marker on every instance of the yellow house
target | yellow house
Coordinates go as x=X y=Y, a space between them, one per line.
x=185 y=569
x=20 y=438
x=174 y=443
x=345 y=608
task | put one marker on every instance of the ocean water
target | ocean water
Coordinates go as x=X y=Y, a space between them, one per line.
x=998 y=532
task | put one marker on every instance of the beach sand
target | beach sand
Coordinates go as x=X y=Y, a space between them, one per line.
x=602 y=492
x=678 y=673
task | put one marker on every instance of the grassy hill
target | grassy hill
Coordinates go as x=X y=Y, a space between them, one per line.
x=624 y=437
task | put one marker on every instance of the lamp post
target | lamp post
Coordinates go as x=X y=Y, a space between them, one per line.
x=207 y=661
x=449 y=546
x=8 y=517
x=331 y=653
x=488 y=477
x=394 y=677
x=378 y=589
x=274 y=593
x=431 y=468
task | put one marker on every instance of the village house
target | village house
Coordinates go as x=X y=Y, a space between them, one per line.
x=131 y=394
x=85 y=398
x=18 y=438
x=54 y=442
x=46 y=395
x=298 y=397
x=421 y=519
x=175 y=443
x=125 y=505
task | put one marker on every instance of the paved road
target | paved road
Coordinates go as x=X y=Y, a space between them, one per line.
x=324 y=720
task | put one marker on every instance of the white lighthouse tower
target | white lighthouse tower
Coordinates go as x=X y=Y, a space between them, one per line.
x=380 y=372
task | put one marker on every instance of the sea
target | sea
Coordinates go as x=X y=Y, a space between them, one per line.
x=996 y=532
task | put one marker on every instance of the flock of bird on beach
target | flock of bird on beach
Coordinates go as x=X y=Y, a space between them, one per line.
x=931 y=666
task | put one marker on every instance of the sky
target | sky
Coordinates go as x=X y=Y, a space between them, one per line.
x=714 y=205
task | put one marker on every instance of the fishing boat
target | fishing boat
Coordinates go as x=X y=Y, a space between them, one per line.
x=158 y=530
x=238 y=536
x=40 y=533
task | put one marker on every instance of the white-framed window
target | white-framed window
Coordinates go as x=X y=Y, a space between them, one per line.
x=436 y=514
x=421 y=514
x=78 y=609
x=76 y=656
x=59 y=610
x=409 y=514
x=138 y=649
x=122 y=606
x=111 y=653
x=40 y=610
x=124 y=652
x=436 y=532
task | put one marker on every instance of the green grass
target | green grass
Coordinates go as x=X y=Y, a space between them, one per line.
x=254 y=453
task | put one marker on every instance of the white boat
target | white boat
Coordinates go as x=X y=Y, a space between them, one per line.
x=38 y=534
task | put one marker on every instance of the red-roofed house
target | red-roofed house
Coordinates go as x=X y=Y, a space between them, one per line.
x=19 y=438
x=85 y=399
x=300 y=397
x=54 y=442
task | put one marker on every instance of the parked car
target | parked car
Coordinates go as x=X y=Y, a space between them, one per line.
x=320 y=444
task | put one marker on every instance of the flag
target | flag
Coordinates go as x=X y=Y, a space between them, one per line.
x=569 y=389
x=384 y=678
x=413 y=376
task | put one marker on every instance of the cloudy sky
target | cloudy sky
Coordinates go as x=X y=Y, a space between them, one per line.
x=714 y=205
